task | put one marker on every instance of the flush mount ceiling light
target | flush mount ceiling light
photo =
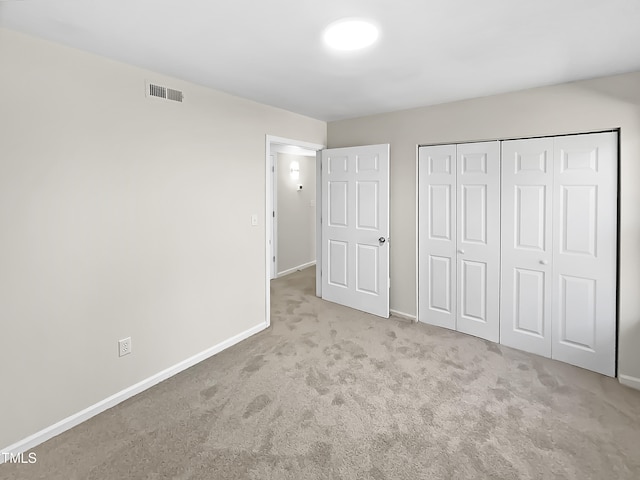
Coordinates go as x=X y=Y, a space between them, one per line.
x=350 y=34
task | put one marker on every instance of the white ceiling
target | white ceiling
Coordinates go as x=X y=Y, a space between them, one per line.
x=429 y=51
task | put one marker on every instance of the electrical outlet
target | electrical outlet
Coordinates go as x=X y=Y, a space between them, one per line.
x=124 y=346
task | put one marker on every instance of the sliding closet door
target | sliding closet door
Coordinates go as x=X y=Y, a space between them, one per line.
x=584 y=251
x=527 y=188
x=478 y=239
x=437 y=236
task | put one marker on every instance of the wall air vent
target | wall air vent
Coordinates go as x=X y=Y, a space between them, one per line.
x=175 y=95
x=159 y=91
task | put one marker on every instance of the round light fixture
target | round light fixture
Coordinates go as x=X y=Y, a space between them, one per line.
x=350 y=34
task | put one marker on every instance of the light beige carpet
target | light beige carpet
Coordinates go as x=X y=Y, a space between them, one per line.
x=331 y=393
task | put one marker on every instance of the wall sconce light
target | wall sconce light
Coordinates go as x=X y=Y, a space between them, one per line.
x=294 y=170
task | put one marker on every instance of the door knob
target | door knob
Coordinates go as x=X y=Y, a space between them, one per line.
x=460 y=251
x=544 y=262
x=382 y=240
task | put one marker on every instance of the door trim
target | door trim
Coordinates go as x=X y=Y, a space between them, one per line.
x=319 y=223
x=269 y=203
x=273 y=219
x=417 y=233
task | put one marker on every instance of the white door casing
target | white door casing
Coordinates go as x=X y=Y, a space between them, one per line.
x=459 y=237
x=584 y=251
x=274 y=218
x=437 y=235
x=478 y=239
x=527 y=189
x=355 y=227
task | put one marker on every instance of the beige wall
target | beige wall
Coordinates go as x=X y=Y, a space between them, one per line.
x=296 y=212
x=120 y=216
x=598 y=104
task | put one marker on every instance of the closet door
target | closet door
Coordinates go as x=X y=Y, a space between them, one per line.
x=584 y=251
x=527 y=188
x=437 y=235
x=478 y=239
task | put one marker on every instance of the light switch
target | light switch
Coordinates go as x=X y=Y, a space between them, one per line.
x=254 y=219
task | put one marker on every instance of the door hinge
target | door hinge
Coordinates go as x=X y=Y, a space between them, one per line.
x=274 y=214
x=273 y=169
x=274 y=258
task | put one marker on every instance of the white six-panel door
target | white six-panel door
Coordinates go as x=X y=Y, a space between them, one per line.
x=478 y=239
x=437 y=233
x=355 y=227
x=584 y=251
x=535 y=270
x=459 y=259
x=527 y=188
x=559 y=231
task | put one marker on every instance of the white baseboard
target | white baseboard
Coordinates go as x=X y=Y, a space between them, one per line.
x=406 y=316
x=629 y=381
x=84 y=415
x=295 y=269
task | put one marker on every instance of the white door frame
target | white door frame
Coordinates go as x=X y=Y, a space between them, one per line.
x=272 y=219
x=269 y=208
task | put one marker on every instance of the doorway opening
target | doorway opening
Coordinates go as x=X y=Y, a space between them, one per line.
x=292 y=217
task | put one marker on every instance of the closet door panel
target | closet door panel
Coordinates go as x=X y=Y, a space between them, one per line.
x=478 y=240
x=584 y=251
x=527 y=187
x=437 y=236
